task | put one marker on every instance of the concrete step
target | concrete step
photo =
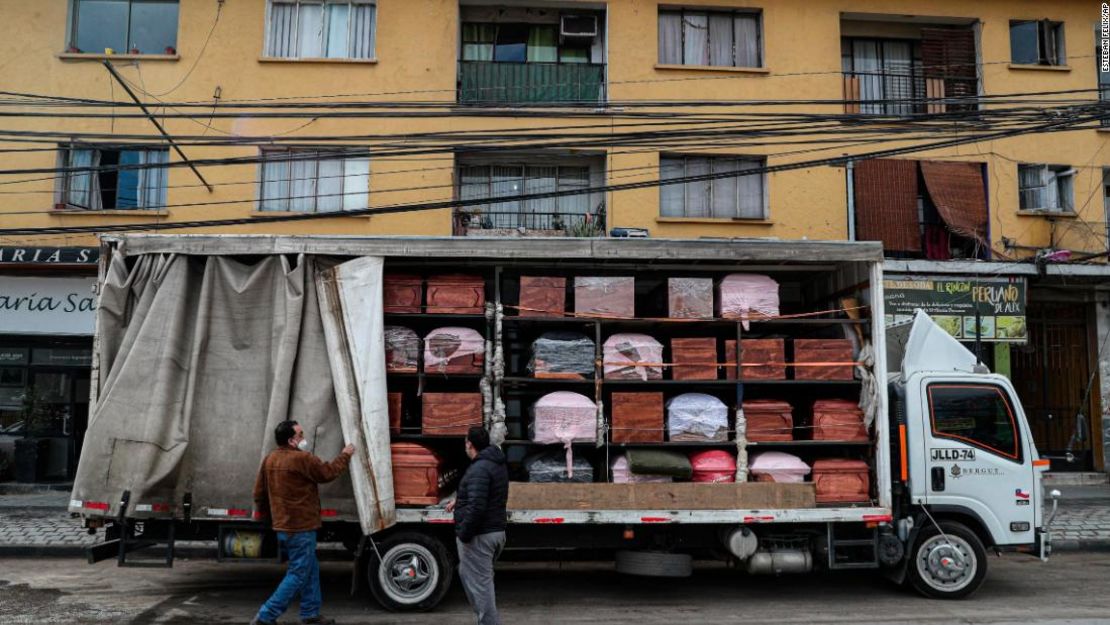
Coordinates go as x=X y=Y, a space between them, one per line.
x=1069 y=478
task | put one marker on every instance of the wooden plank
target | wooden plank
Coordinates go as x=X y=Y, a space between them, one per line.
x=676 y=496
x=851 y=95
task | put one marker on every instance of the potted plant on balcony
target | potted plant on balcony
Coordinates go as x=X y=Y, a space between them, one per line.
x=31 y=450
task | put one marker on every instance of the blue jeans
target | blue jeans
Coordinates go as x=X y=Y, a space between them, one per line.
x=302 y=578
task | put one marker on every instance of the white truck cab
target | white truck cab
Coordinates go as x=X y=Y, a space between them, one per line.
x=971 y=474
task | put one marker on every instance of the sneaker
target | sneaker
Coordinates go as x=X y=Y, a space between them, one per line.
x=258 y=621
x=318 y=620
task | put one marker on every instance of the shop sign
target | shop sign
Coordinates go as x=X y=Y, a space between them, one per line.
x=953 y=302
x=34 y=305
x=49 y=255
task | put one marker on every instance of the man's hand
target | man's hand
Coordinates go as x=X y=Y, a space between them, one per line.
x=349 y=450
x=451 y=506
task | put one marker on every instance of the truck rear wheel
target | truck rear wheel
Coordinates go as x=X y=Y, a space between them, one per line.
x=409 y=572
x=951 y=565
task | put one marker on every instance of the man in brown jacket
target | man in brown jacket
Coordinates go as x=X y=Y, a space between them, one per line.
x=286 y=491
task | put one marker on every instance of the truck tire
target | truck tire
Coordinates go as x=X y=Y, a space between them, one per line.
x=654 y=563
x=409 y=572
x=951 y=565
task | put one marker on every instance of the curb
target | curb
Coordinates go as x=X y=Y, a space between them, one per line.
x=1080 y=544
x=20 y=488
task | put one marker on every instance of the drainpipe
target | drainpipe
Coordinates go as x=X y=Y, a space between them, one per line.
x=851 y=201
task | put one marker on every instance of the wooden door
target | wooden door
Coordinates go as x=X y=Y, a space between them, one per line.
x=1052 y=376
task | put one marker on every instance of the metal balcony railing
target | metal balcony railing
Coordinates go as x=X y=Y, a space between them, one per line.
x=571 y=224
x=484 y=82
x=901 y=93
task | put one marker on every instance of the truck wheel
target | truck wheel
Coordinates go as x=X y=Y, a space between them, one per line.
x=409 y=572
x=654 y=563
x=951 y=565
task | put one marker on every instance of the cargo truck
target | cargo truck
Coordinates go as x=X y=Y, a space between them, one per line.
x=204 y=343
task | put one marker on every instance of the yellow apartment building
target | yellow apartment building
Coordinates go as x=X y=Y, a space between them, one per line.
x=968 y=137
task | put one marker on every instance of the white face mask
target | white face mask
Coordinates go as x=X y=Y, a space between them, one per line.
x=302 y=444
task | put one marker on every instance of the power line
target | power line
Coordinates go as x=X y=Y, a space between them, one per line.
x=837 y=160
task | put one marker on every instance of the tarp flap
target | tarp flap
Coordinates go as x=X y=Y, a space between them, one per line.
x=351 y=301
x=958 y=193
x=199 y=359
x=886 y=203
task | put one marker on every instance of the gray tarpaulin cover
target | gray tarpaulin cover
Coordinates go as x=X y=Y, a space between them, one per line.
x=200 y=357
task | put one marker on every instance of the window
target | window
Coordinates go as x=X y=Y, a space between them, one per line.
x=739 y=197
x=1046 y=187
x=307 y=29
x=523 y=43
x=888 y=72
x=313 y=181
x=977 y=414
x=135 y=26
x=501 y=180
x=726 y=39
x=131 y=179
x=1037 y=43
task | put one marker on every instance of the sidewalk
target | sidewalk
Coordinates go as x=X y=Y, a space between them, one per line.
x=38 y=524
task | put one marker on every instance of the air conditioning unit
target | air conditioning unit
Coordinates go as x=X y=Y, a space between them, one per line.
x=578 y=25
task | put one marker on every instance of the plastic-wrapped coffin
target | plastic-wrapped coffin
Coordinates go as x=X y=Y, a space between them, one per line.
x=551 y=466
x=748 y=296
x=564 y=417
x=454 y=350
x=402 y=349
x=776 y=466
x=838 y=420
x=713 y=465
x=697 y=417
x=768 y=420
x=633 y=357
x=605 y=297
x=562 y=355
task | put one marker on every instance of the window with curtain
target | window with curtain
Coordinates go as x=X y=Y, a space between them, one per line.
x=333 y=29
x=522 y=43
x=1046 y=187
x=712 y=38
x=888 y=72
x=728 y=197
x=125 y=26
x=477 y=182
x=1037 y=42
x=313 y=181
x=116 y=178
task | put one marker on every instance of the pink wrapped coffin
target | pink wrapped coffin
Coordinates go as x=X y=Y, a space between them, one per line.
x=713 y=465
x=776 y=466
x=623 y=475
x=747 y=296
x=565 y=417
x=454 y=350
x=633 y=357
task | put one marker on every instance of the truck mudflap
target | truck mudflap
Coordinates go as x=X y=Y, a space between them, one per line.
x=1042 y=545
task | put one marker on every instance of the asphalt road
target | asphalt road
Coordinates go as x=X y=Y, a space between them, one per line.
x=1071 y=589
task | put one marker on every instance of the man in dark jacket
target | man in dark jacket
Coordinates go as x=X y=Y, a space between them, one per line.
x=286 y=491
x=479 y=508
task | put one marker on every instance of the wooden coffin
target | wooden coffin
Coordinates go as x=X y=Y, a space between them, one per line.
x=768 y=421
x=456 y=295
x=542 y=296
x=419 y=475
x=694 y=359
x=810 y=356
x=450 y=414
x=763 y=359
x=690 y=298
x=838 y=420
x=395 y=410
x=839 y=480
x=401 y=293
x=636 y=418
x=605 y=297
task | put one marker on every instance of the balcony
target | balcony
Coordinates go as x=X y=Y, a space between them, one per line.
x=487 y=82
x=898 y=93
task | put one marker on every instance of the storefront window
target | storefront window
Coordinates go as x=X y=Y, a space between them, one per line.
x=61 y=357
